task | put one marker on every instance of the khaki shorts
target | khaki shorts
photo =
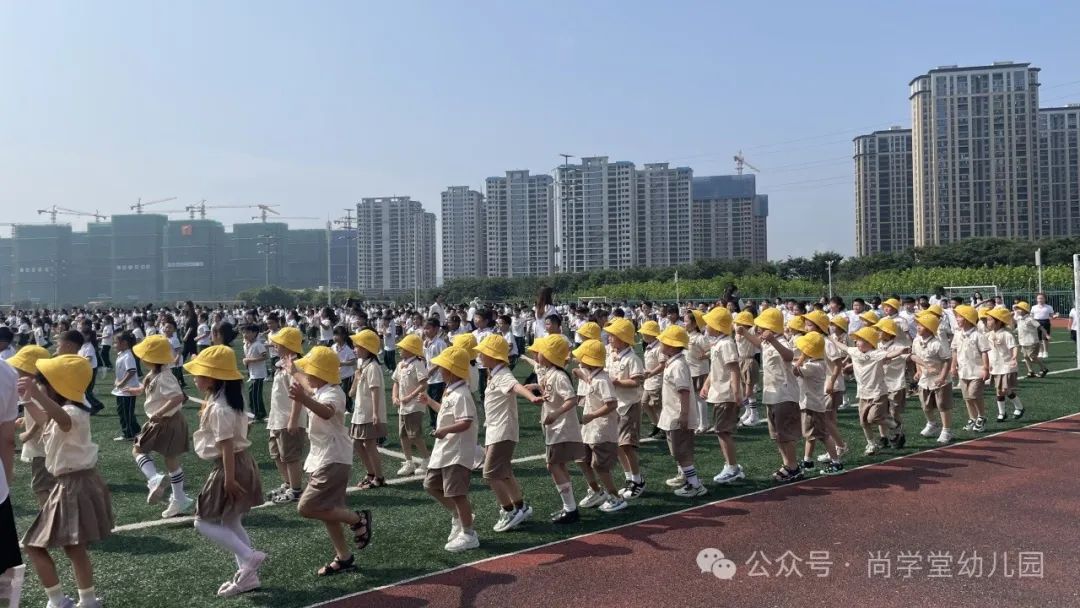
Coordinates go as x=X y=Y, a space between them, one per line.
x=411 y=425
x=326 y=488
x=600 y=456
x=939 y=399
x=680 y=444
x=286 y=447
x=1004 y=383
x=835 y=401
x=652 y=401
x=972 y=390
x=568 y=451
x=630 y=426
x=368 y=431
x=725 y=417
x=815 y=425
x=873 y=412
x=897 y=404
x=748 y=369
x=1030 y=353
x=451 y=481
x=497 y=457
x=784 y=421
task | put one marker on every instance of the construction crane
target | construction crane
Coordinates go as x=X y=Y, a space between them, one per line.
x=57 y=210
x=201 y=208
x=138 y=206
x=740 y=162
x=347 y=221
x=284 y=217
x=263 y=210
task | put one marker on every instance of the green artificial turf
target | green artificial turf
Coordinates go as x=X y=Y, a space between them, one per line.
x=177 y=567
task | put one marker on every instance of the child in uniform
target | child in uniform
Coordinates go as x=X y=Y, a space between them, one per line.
x=1030 y=335
x=32 y=438
x=410 y=381
x=697 y=357
x=433 y=345
x=1003 y=351
x=329 y=462
x=971 y=365
x=932 y=356
x=165 y=430
x=127 y=377
x=255 y=356
x=558 y=418
x=835 y=386
x=454 y=452
x=347 y=362
x=285 y=425
x=678 y=418
x=234 y=485
x=600 y=429
x=78 y=511
x=749 y=353
x=654 y=371
x=723 y=390
x=467 y=342
x=811 y=370
x=369 y=413
x=868 y=366
x=893 y=335
x=627 y=372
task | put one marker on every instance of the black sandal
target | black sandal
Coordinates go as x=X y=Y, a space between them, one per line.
x=338 y=566
x=378 y=482
x=362 y=529
x=367 y=484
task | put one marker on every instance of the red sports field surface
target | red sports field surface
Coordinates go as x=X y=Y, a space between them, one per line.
x=980 y=502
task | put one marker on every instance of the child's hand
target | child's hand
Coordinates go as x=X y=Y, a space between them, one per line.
x=704 y=394
x=549 y=419
x=28 y=388
x=535 y=400
x=767 y=335
x=587 y=418
x=440 y=433
x=233 y=489
x=296 y=392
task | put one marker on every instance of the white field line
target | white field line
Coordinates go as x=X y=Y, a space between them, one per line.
x=679 y=512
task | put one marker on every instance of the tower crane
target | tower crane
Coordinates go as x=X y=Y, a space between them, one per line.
x=347 y=221
x=201 y=208
x=285 y=217
x=263 y=210
x=138 y=206
x=55 y=210
x=740 y=162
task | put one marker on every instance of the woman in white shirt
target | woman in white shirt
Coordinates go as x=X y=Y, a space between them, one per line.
x=543 y=309
x=1043 y=312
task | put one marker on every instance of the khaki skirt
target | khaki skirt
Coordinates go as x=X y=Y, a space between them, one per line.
x=326 y=488
x=214 y=503
x=168 y=437
x=41 y=480
x=77 y=512
x=368 y=431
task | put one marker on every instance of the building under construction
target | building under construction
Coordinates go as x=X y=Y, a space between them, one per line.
x=138 y=257
x=41 y=261
x=257 y=255
x=196 y=261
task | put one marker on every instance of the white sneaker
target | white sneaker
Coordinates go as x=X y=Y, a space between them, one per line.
x=463 y=542
x=945 y=437
x=613 y=504
x=931 y=429
x=455 y=529
x=690 y=491
x=91 y=603
x=824 y=458
x=157 y=486
x=676 y=482
x=593 y=499
x=871 y=449
x=66 y=603
x=177 y=507
x=730 y=474
x=754 y=419
x=245 y=582
x=421 y=469
x=505 y=517
x=407 y=470
x=526 y=514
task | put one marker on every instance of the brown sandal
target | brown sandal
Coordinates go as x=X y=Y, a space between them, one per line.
x=362 y=529
x=338 y=566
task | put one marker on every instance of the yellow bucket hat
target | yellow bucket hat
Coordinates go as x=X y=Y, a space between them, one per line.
x=26 y=359
x=412 y=344
x=589 y=331
x=323 y=363
x=892 y=303
x=367 y=340
x=554 y=348
x=935 y=309
x=217 y=362
x=674 y=336
x=870 y=317
x=650 y=328
x=797 y=324
x=591 y=352
x=622 y=329
x=819 y=319
x=467 y=342
x=1022 y=305
x=455 y=360
x=699 y=318
x=771 y=319
x=155 y=350
x=869 y=335
x=928 y=320
x=1001 y=314
x=745 y=318
x=719 y=318
x=290 y=339
x=887 y=326
x=68 y=375
x=811 y=344
x=495 y=346
x=967 y=313
x=840 y=321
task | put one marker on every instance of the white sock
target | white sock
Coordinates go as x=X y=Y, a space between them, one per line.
x=146 y=465
x=226 y=538
x=1016 y=404
x=177 y=478
x=55 y=595
x=635 y=478
x=728 y=468
x=87 y=595
x=628 y=476
x=566 y=493
x=1001 y=406
x=690 y=473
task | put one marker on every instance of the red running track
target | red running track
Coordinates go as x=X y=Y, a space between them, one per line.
x=979 y=503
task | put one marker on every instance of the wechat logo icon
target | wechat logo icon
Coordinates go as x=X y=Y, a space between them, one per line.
x=712 y=560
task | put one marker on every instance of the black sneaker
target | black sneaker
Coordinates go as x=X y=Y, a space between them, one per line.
x=655 y=432
x=882 y=443
x=566 y=517
x=1001 y=417
x=899 y=440
x=807 y=465
x=1043 y=373
x=1018 y=414
x=832 y=468
x=980 y=424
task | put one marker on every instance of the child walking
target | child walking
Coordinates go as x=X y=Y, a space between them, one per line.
x=410 y=381
x=892 y=335
x=811 y=371
x=369 y=409
x=678 y=418
x=1030 y=334
x=1003 y=351
x=654 y=371
x=165 y=430
x=329 y=462
x=127 y=378
x=868 y=365
x=453 y=455
x=234 y=485
x=347 y=362
x=255 y=357
x=286 y=425
x=627 y=372
x=32 y=436
x=749 y=354
x=723 y=390
x=697 y=356
x=600 y=430
x=78 y=511
x=835 y=385
x=971 y=365
x=932 y=356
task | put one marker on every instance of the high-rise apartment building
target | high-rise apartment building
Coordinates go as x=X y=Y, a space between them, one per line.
x=1059 y=170
x=975 y=152
x=883 y=198
x=396 y=243
x=464 y=233
x=663 y=212
x=596 y=215
x=729 y=218
x=520 y=225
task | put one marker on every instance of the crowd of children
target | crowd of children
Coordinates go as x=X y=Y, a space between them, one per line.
x=697 y=372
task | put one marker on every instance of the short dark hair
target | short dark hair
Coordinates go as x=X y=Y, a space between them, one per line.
x=253 y=328
x=6 y=335
x=73 y=336
x=126 y=337
x=554 y=318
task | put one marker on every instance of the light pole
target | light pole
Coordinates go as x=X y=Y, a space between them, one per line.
x=329 y=233
x=828 y=265
x=266 y=243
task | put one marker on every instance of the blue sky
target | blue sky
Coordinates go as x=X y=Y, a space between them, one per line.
x=314 y=105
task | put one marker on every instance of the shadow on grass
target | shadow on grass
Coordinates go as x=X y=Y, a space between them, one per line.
x=147 y=545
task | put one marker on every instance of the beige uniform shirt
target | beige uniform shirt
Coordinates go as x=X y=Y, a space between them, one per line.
x=676 y=379
x=595 y=393
x=812 y=395
x=159 y=390
x=896 y=368
x=653 y=357
x=1002 y=343
x=1027 y=329
x=455 y=448
x=35 y=446
x=281 y=405
x=557 y=388
x=74 y=450
x=500 y=406
x=409 y=375
x=624 y=366
x=933 y=356
x=219 y=422
x=697 y=355
x=835 y=357
x=369 y=375
x=723 y=354
x=969 y=346
x=869 y=371
x=329 y=438
x=778 y=382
